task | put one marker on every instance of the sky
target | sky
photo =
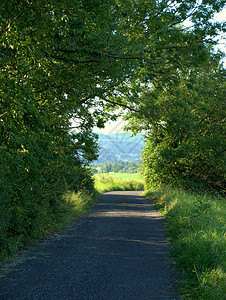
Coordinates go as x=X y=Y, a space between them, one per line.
x=221 y=17
x=112 y=127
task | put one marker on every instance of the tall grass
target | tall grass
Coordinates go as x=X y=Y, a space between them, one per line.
x=118 y=182
x=196 y=226
x=73 y=206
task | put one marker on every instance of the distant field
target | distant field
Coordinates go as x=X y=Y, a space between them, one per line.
x=118 y=182
x=136 y=176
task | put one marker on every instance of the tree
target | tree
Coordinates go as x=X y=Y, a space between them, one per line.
x=185 y=133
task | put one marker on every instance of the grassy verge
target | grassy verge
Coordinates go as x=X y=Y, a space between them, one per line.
x=196 y=226
x=74 y=206
x=68 y=209
x=118 y=182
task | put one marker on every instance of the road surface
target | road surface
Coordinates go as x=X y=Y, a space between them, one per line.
x=118 y=250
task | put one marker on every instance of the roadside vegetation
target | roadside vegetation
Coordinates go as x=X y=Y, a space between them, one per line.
x=118 y=182
x=196 y=228
x=68 y=208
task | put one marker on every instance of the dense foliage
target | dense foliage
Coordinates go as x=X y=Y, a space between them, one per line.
x=181 y=111
x=64 y=60
x=185 y=139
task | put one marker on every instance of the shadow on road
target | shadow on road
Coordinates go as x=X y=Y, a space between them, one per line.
x=118 y=250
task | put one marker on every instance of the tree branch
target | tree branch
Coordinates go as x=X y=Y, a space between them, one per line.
x=71 y=60
x=3 y=114
x=98 y=54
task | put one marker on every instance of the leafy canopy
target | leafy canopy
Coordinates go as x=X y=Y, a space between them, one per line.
x=81 y=60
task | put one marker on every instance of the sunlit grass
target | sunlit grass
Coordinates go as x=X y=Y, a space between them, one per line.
x=118 y=182
x=196 y=226
x=74 y=205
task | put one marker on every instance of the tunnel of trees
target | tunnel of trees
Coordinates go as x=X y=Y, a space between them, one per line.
x=69 y=65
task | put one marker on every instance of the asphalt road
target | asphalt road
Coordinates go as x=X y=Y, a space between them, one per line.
x=118 y=250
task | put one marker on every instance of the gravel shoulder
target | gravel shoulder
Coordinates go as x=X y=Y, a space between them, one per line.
x=118 y=250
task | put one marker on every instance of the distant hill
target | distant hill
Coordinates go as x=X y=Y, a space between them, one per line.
x=119 y=147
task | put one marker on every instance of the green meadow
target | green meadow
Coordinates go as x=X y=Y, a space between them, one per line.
x=118 y=182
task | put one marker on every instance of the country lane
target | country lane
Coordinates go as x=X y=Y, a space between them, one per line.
x=118 y=250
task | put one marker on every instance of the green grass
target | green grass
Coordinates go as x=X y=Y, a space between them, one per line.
x=196 y=226
x=69 y=208
x=73 y=206
x=118 y=182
